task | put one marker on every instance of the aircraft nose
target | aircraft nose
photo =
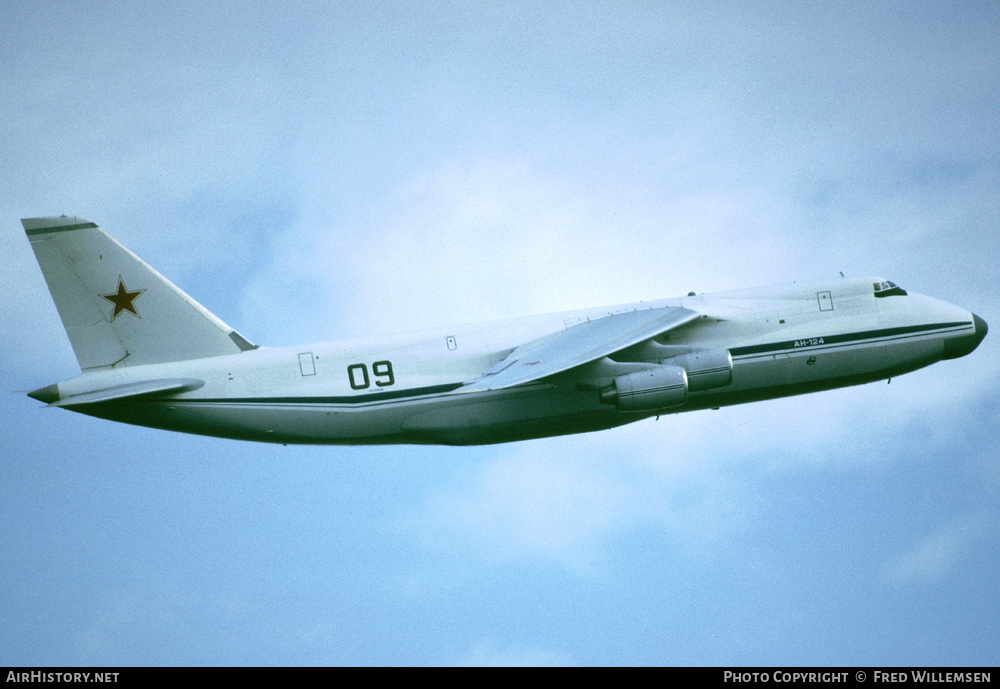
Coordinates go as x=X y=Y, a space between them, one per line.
x=960 y=346
x=981 y=328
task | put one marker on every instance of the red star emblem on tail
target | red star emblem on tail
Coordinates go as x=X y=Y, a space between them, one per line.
x=123 y=299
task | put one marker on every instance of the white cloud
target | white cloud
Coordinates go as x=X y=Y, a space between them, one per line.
x=700 y=478
x=565 y=501
x=100 y=638
x=489 y=654
x=475 y=239
x=935 y=556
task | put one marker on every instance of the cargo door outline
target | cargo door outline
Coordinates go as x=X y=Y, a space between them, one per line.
x=825 y=300
x=307 y=364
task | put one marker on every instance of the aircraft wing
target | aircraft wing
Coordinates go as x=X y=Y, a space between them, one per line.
x=578 y=345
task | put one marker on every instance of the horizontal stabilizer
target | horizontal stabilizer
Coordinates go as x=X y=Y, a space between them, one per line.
x=580 y=344
x=162 y=386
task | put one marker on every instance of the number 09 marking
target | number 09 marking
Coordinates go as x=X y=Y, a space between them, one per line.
x=357 y=375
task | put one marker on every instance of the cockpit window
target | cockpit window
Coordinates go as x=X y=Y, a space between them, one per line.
x=888 y=289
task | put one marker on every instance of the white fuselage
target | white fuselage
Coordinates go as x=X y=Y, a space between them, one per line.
x=409 y=388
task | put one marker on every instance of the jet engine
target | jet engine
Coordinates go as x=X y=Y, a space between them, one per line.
x=667 y=384
x=706 y=368
x=657 y=387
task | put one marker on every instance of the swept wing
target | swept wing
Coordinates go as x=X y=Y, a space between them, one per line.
x=580 y=344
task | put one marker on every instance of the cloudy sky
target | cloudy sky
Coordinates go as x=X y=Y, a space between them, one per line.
x=312 y=171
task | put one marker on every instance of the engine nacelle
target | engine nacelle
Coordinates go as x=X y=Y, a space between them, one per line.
x=658 y=387
x=706 y=368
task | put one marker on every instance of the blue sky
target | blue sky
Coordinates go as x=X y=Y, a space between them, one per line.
x=314 y=171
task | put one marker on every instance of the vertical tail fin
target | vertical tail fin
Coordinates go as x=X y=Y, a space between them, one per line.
x=116 y=309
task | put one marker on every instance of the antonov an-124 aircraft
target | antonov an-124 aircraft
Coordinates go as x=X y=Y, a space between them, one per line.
x=151 y=355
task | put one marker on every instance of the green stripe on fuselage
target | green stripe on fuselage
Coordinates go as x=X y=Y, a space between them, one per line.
x=804 y=343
